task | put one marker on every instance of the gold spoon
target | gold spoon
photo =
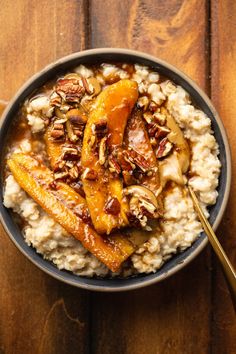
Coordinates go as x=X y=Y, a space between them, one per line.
x=227 y=267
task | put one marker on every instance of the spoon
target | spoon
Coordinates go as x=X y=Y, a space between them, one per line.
x=227 y=267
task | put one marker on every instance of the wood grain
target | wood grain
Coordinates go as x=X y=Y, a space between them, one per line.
x=223 y=94
x=173 y=316
x=38 y=314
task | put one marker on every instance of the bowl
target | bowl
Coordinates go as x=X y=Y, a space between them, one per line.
x=199 y=98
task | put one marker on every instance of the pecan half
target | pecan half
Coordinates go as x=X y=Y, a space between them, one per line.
x=71 y=90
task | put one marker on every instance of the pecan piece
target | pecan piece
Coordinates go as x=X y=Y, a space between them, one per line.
x=102 y=151
x=90 y=174
x=78 y=187
x=55 y=99
x=164 y=148
x=143 y=102
x=153 y=106
x=74 y=173
x=124 y=161
x=114 y=167
x=57 y=134
x=60 y=175
x=71 y=135
x=100 y=129
x=112 y=206
x=86 y=85
x=70 y=154
x=138 y=160
x=152 y=129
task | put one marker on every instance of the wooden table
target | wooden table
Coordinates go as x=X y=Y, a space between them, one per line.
x=188 y=313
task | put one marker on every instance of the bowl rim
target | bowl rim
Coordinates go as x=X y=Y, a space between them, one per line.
x=168 y=66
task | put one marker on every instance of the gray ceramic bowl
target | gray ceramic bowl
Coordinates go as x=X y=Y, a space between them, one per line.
x=199 y=98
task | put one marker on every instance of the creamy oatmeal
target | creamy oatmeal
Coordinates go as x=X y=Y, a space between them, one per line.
x=98 y=168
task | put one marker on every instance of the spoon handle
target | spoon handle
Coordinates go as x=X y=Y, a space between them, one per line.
x=227 y=267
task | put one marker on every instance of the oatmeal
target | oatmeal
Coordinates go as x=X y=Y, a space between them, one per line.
x=98 y=170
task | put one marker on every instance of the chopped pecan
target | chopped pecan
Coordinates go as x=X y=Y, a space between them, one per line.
x=57 y=126
x=78 y=187
x=148 y=117
x=160 y=117
x=74 y=173
x=100 y=129
x=57 y=134
x=124 y=161
x=71 y=135
x=90 y=174
x=55 y=99
x=143 y=102
x=78 y=132
x=86 y=85
x=112 y=206
x=153 y=106
x=71 y=90
x=59 y=166
x=92 y=141
x=161 y=132
x=70 y=153
x=114 y=167
x=138 y=160
x=70 y=164
x=153 y=141
x=53 y=185
x=164 y=148
x=102 y=151
x=83 y=213
x=152 y=129
x=60 y=175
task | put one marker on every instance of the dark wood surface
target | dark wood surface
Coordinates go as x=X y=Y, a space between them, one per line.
x=188 y=313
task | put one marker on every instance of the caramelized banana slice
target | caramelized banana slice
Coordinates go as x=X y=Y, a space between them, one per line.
x=65 y=206
x=105 y=130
